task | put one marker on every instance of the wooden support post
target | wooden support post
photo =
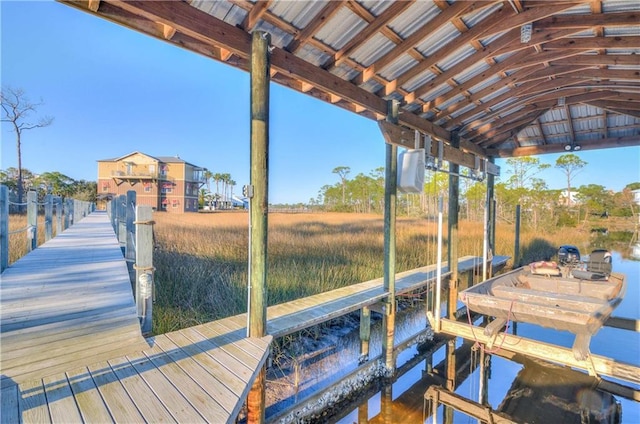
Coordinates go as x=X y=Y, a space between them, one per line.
x=452 y=221
x=389 y=280
x=58 y=202
x=516 y=248
x=130 y=212
x=72 y=213
x=48 y=217
x=144 y=267
x=491 y=220
x=258 y=209
x=32 y=220
x=386 y=404
x=4 y=227
x=122 y=220
x=365 y=333
x=451 y=376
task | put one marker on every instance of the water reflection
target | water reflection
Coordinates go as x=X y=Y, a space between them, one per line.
x=522 y=390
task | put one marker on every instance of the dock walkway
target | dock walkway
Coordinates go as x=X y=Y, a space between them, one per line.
x=72 y=351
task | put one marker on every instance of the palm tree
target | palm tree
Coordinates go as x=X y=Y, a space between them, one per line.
x=207 y=179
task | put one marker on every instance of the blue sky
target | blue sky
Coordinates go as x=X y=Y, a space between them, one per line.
x=112 y=91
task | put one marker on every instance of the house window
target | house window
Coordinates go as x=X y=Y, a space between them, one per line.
x=147 y=187
x=175 y=203
x=163 y=170
x=105 y=187
x=164 y=204
x=167 y=188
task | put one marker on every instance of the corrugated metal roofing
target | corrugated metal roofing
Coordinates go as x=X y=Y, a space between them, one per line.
x=347 y=53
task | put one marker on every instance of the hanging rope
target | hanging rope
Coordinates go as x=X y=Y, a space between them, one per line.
x=475 y=338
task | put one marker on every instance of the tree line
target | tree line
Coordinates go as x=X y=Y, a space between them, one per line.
x=54 y=182
x=522 y=186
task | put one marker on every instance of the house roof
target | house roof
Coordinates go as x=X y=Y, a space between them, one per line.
x=163 y=159
x=471 y=68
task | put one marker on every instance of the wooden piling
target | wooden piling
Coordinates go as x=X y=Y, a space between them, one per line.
x=144 y=267
x=58 y=203
x=32 y=220
x=516 y=247
x=130 y=212
x=365 y=333
x=48 y=217
x=452 y=221
x=258 y=209
x=4 y=227
x=389 y=281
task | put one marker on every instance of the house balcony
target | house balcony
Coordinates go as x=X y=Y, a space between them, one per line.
x=139 y=176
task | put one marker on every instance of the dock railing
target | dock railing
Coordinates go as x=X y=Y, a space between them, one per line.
x=67 y=212
x=133 y=226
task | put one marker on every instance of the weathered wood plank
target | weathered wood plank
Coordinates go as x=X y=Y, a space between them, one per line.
x=140 y=393
x=9 y=404
x=601 y=365
x=62 y=405
x=33 y=403
x=170 y=397
x=67 y=304
x=120 y=405
x=199 y=399
x=195 y=375
x=88 y=399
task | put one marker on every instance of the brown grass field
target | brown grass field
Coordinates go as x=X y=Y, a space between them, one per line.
x=201 y=259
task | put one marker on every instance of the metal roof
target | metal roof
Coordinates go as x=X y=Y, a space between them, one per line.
x=471 y=68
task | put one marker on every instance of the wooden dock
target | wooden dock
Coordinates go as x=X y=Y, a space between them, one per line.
x=72 y=351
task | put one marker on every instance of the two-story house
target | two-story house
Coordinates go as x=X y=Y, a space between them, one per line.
x=166 y=183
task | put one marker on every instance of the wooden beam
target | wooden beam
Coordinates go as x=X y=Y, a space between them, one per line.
x=168 y=31
x=457 y=9
x=252 y=18
x=593 y=43
x=369 y=31
x=93 y=5
x=607 y=59
x=545 y=351
x=327 y=12
x=606 y=106
x=404 y=137
x=443 y=52
x=606 y=143
x=572 y=134
x=586 y=21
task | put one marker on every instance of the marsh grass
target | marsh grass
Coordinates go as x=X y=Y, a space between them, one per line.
x=201 y=259
x=18 y=235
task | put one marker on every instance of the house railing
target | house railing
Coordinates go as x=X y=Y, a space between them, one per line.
x=133 y=226
x=67 y=212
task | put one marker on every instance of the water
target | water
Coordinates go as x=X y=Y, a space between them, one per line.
x=403 y=401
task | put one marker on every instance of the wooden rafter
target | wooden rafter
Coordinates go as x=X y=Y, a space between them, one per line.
x=255 y=14
x=374 y=26
x=323 y=17
x=487 y=96
x=453 y=11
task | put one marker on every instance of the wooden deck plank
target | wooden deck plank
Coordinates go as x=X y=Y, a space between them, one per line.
x=164 y=390
x=88 y=399
x=219 y=354
x=120 y=404
x=54 y=301
x=9 y=404
x=222 y=395
x=208 y=361
x=33 y=403
x=62 y=406
x=212 y=400
x=140 y=393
